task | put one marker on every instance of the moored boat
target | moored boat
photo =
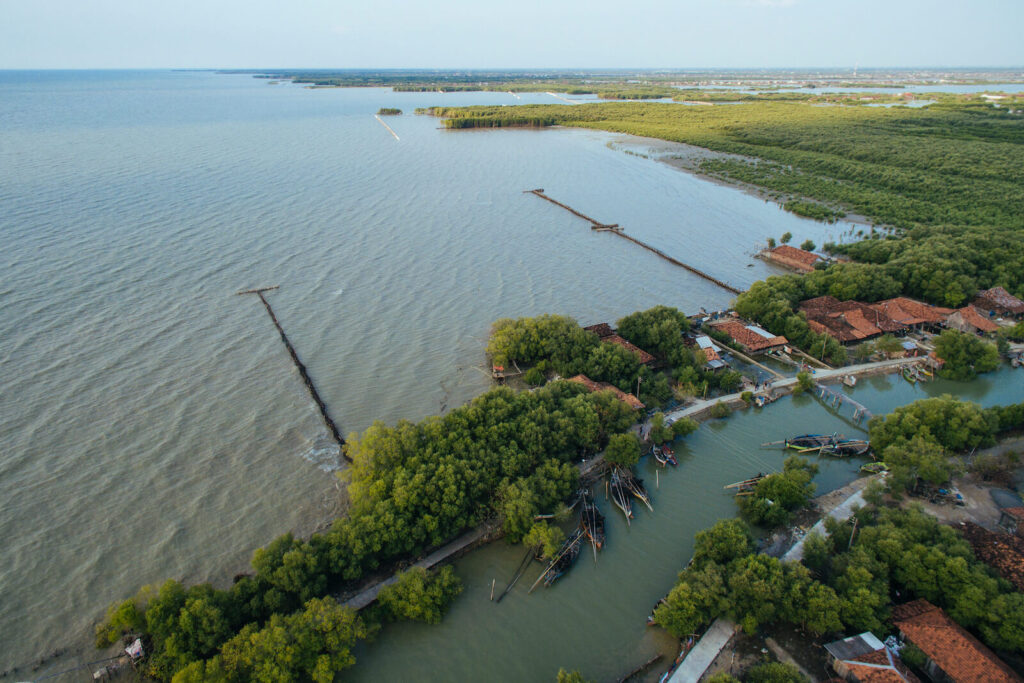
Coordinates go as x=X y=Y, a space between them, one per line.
x=620 y=494
x=592 y=523
x=874 y=467
x=565 y=559
x=810 y=442
x=844 y=448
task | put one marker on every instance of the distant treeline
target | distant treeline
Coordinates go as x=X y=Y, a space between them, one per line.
x=388 y=111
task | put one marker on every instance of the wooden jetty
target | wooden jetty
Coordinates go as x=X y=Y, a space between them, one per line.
x=615 y=229
x=331 y=427
x=834 y=398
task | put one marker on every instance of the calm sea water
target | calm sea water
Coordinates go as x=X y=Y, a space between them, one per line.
x=151 y=423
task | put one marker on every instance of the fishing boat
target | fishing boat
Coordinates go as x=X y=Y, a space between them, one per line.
x=565 y=558
x=592 y=524
x=620 y=494
x=664 y=455
x=909 y=375
x=635 y=486
x=844 y=448
x=747 y=486
x=874 y=467
x=811 y=442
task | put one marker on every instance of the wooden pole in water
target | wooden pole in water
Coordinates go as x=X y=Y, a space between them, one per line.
x=492 y=589
x=657 y=479
x=331 y=427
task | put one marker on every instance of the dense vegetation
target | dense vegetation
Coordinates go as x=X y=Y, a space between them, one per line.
x=910 y=554
x=777 y=495
x=412 y=487
x=389 y=111
x=917 y=440
x=965 y=355
x=557 y=344
x=845 y=582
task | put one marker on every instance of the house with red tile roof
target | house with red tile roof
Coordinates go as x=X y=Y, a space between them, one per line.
x=1012 y=519
x=602 y=330
x=1001 y=551
x=969 y=319
x=910 y=313
x=791 y=257
x=953 y=653
x=997 y=301
x=644 y=357
x=629 y=399
x=751 y=338
x=847 y=321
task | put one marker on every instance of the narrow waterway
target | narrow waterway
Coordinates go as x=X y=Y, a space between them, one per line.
x=593 y=619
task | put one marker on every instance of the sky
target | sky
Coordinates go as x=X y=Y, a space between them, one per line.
x=678 y=34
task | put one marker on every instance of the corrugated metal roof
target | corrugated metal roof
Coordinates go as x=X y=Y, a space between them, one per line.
x=854 y=646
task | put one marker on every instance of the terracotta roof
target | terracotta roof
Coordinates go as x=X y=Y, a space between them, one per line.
x=793 y=257
x=959 y=654
x=640 y=353
x=893 y=672
x=970 y=315
x=602 y=330
x=999 y=299
x=910 y=312
x=591 y=385
x=1003 y=552
x=748 y=337
x=847 y=320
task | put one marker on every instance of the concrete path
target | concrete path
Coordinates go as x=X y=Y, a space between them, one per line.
x=786 y=383
x=369 y=594
x=842 y=511
x=704 y=652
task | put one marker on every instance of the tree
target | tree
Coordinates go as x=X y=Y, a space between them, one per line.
x=570 y=677
x=418 y=596
x=719 y=410
x=623 y=449
x=774 y=672
x=723 y=542
x=546 y=537
x=965 y=355
x=804 y=382
x=660 y=432
x=657 y=330
x=786 y=237
x=684 y=426
x=771 y=242
x=808 y=245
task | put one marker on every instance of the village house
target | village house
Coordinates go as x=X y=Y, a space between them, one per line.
x=644 y=357
x=969 y=319
x=750 y=338
x=954 y=655
x=1012 y=519
x=847 y=321
x=712 y=357
x=791 y=257
x=864 y=659
x=998 y=302
x=629 y=399
x=605 y=333
x=1003 y=552
x=912 y=314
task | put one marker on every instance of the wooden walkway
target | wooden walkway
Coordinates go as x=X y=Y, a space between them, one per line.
x=614 y=228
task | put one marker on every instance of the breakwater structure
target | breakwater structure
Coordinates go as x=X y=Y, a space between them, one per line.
x=617 y=230
x=331 y=427
x=390 y=130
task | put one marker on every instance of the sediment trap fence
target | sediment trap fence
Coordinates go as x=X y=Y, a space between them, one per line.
x=331 y=427
x=615 y=229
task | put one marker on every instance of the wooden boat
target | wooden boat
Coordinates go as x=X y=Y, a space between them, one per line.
x=592 y=524
x=909 y=375
x=811 y=442
x=620 y=494
x=747 y=486
x=874 y=467
x=844 y=448
x=635 y=486
x=565 y=559
x=664 y=455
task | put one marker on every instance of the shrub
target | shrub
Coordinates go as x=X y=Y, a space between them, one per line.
x=719 y=410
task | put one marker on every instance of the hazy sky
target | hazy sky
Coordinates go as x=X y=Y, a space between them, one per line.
x=521 y=33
